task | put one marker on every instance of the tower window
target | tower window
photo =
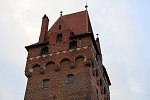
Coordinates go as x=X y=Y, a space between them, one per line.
x=44 y=51
x=59 y=38
x=45 y=83
x=73 y=45
x=70 y=78
x=71 y=34
x=104 y=90
x=59 y=27
x=101 y=84
x=97 y=73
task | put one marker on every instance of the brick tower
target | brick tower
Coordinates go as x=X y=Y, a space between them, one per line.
x=66 y=62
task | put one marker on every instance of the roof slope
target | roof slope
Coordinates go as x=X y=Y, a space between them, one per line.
x=78 y=22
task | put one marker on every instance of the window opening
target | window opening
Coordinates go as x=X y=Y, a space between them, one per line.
x=59 y=38
x=96 y=72
x=45 y=83
x=59 y=27
x=104 y=90
x=71 y=34
x=73 y=45
x=44 y=51
x=70 y=78
x=101 y=82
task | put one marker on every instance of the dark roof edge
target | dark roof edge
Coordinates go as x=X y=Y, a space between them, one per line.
x=74 y=13
x=87 y=34
x=36 y=45
x=106 y=75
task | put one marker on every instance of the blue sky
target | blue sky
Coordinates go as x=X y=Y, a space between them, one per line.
x=123 y=28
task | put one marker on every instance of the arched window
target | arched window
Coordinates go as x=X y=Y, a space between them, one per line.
x=70 y=78
x=44 y=50
x=73 y=45
x=45 y=83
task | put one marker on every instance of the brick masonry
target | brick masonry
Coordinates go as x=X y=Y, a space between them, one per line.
x=61 y=61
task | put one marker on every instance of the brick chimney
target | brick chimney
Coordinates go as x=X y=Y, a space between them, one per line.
x=44 y=29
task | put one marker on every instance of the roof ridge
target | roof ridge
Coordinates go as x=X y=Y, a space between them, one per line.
x=74 y=13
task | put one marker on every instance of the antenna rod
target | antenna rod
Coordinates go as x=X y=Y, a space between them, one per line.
x=97 y=35
x=61 y=14
x=86 y=6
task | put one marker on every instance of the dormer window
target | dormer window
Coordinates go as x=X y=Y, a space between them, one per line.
x=44 y=51
x=59 y=27
x=59 y=38
x=73 y=45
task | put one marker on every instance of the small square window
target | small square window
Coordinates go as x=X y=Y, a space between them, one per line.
x=73 y=45
x=59 y=38
x=45 y=83
x=44 y=50
x=70 y=78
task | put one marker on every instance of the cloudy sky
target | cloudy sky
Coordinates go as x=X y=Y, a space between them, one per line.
x=124 y=31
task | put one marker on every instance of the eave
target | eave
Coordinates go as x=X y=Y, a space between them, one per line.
x=36 y=45
x=87 y=34
x=107 y=77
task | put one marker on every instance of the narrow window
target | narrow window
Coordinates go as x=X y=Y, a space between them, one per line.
x=101 y=84
x=45 y=83
x=97 y=73
x=59 y=27
x=59 y=38
x=44 y=50
x=104 y=90
x=71 y=34
x=73 y=45
x=70 y=78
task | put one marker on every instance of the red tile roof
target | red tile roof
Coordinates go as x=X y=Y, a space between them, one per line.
x=78 y=22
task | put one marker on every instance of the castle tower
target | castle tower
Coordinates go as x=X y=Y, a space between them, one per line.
x=66 y=63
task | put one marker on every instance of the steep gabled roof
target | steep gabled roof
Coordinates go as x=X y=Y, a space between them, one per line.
x=55 y=26
x=78 y=22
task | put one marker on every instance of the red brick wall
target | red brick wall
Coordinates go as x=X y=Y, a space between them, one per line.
x=80 y=88
x=61 y=61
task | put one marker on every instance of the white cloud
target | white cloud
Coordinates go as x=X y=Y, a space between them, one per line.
x=5 y=94
x=135 y=87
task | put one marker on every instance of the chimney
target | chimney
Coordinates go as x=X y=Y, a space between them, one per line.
x=44 y=29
